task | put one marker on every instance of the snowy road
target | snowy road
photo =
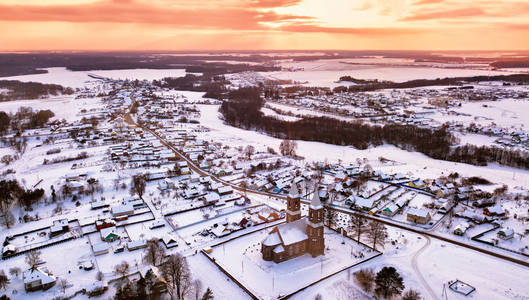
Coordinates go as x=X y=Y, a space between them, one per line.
x=418 y=271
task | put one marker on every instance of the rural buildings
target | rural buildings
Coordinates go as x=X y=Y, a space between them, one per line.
x=38 y=279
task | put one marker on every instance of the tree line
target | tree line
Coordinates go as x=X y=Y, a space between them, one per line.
x=24 y=118
x=381 y=85
x=244 y=110
x=30 y=90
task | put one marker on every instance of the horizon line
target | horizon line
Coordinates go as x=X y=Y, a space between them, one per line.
x=21 y=51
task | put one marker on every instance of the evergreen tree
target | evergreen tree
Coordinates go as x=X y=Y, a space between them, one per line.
x=388 y=282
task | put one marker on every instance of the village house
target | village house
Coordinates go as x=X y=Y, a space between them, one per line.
x=391 y=210
x=122 y=210
x=100 y=224
x=461 y=228
x=418 y=216
x=38 y=279
x=135 y=245
x=109 y=234
x=496 y=210
x=505 y=233
x=169 y=241
x=59 y=227
x=418 y=184
x=100 y=248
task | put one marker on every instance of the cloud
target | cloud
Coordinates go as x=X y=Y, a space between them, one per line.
x=273 y=3
x=127 y=11
x=423 y=2
x=447 y=14
x=365 y=31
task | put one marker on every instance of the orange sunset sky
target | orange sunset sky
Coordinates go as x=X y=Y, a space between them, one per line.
x=263 y=24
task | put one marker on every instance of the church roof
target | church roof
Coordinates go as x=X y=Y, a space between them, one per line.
x=272 y=240
x=293 y=232
x=316 y=203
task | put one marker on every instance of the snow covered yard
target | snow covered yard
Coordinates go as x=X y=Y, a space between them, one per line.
x=63 y=262
x=242 y=258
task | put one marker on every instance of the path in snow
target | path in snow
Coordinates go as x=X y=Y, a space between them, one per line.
x=416 y=269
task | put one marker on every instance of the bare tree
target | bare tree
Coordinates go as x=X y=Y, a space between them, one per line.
x=288 y=148
x=137 y=185
x=376 y=234
x=122 y=269
x=15 y=271
x=99 y=276
x=365 y=278
x=411 y=294
x=177 y=275
x=4 y=280
x=33 y=258
x=91 y=186
x=330 y=216
x=358 y=225
x=63 y=285
x=249 y=151
x=197 y=289
x=154 y=252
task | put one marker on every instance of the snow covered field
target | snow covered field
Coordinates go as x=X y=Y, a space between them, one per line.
x=64 y=107
x=327 y=72
x=507 y=113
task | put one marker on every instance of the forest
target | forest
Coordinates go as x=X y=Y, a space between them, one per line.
x=14 y=64
x=17 y=90
x=458 y=81
x=244 y=110
x=511 y=64
x=24 y=118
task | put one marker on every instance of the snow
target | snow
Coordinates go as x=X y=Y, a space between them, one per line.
x=64 y=107
x=505 y=113
x=271 y=113
x=327 y=72
x=293 y=232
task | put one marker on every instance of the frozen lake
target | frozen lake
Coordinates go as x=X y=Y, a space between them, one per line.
x=78 y=79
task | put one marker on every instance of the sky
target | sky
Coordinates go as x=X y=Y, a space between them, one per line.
x=31 y=25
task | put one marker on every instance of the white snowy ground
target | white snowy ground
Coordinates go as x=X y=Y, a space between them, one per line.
x=438 y=263
x=506 y=113
x=271 y=113
x=242 y=258
x=327 y=72
x=64 y=107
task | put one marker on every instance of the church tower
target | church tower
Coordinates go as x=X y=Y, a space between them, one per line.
x=293 y=204
x=315 y=226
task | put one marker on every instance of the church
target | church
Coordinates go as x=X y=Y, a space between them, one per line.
x=298 y=235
